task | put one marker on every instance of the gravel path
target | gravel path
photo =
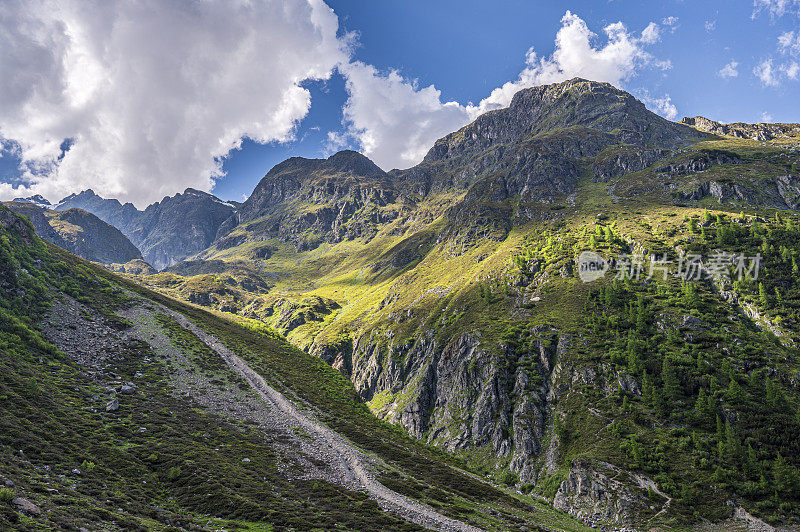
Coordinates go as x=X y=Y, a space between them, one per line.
x=356 y=461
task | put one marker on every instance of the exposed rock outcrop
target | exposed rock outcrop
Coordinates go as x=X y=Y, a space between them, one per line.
x=601 y=495
x=761 y=132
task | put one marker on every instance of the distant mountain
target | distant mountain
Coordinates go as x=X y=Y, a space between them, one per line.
x=109 y=210
x=308 y=201
x=37 y=200
x=166 y=232
x=79 y=232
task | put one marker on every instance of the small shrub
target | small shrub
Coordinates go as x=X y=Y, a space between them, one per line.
x=174 y=473
x=6 y=495
x=508 y=478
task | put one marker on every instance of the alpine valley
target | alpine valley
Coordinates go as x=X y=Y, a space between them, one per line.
x=357 y=349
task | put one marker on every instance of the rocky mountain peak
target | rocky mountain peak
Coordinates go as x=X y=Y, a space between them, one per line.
x=36 y=199
x=761 y=132
x=551 y=109
x=353 y=162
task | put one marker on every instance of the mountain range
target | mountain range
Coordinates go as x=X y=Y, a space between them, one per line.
x=448 y=300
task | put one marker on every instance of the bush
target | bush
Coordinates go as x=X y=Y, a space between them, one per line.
x=174 y=473
x=508 y=478
x=6 y=495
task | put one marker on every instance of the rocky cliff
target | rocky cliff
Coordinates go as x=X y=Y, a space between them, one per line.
x=165 y=232
x=79 y=232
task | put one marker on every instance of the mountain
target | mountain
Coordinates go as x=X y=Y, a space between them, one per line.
x=309 y=201
x=38 y=200
x=79 y=232
x=122 y=409
x=109 y=210
x=165 y=232
x=762 y=132
x=451 y=297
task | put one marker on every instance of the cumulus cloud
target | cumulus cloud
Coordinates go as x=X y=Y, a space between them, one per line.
x=766 y=117
x=149 y=104
x=395 y=121
x=576 y=55
x=729 y=71
x=710 y=25
x=661 y=105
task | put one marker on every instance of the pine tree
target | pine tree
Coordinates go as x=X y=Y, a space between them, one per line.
x=733 y=447
x=735 y=393
x=785 y=476
x=672 y=385
x=720 y=430
x=751 y=465
x=763 y=296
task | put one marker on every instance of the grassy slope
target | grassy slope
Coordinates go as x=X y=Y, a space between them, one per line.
x=682 y=450
x=171 y=474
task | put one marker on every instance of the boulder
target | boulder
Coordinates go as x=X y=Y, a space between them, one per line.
x=27 y=507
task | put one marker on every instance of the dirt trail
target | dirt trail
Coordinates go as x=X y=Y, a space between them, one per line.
x=354 y=459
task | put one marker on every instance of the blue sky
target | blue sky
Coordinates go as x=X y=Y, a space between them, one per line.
x=723 y=60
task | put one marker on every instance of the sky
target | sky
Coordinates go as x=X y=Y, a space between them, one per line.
x=140 y=99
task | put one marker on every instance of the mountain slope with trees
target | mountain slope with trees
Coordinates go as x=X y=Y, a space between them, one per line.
x=449 y=295
x=118 y=412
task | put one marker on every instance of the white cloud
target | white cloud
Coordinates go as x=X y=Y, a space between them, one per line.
x=710 y=25
x=671 y=24
x=396 y=122
x=766 y=72
x=576 y=55
x=662 y=106
x=393 y=120
x=776 y=8
x=729 y=71
x=789 y=42
x=792 y=70
x=152 y=102
x=766 y=117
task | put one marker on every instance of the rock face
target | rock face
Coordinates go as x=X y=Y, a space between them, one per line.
x=109 y=210
x=761 y=132
x=781 y=192
x=458 y=395
x=79 y=232
x=705 y=161
x=310 y=201
x=603 y=494
x=166 y=232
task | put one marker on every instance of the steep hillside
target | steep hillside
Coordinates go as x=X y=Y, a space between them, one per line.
x=165 y=232
x=79 y=232
x=310 y=201
x=460 y=315
x=124 y=410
